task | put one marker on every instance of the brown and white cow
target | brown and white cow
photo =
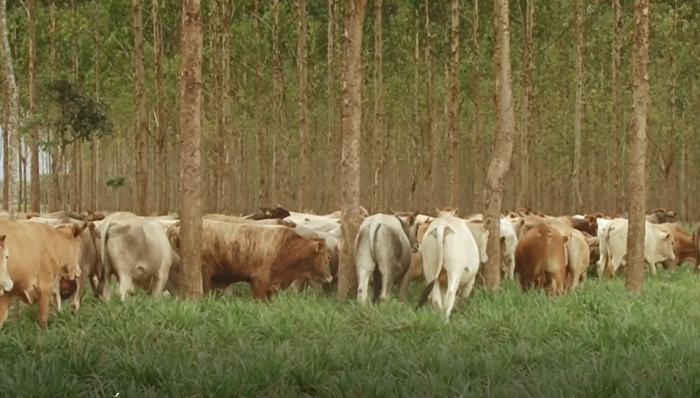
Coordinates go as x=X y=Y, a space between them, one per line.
x=5 y=280
x=136 y=251
x=683 y=246
x=266 y=213
x=41 y=254
x=332 y=243
x=541 y=258
x=270 y=258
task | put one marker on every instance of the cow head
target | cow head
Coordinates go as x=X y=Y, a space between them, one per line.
x=410 y=228
x=71 y=270
x=592 y=220
x=6 y=283
x=661 y=216
x=480 y=232
x=173 y=233
x=321 y=261
x=664 y=249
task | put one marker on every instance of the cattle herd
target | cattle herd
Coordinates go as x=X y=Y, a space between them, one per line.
x=51 y=257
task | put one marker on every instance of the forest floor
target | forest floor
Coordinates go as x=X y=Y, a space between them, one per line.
x=595 y=342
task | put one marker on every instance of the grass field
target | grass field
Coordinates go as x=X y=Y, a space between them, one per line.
x=595 y=342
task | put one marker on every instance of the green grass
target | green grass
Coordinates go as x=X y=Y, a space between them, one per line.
x=595 y=342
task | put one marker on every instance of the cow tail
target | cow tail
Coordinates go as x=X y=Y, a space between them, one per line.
x=101 y=270
x=377 y=276
x=440 y=232
x=696 y=243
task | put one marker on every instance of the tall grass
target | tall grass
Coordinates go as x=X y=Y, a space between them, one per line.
x=595 y=342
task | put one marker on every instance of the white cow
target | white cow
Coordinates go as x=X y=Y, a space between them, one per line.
x=448 y=244
x=509 y=241
x=383 y=246
x=658 y=246
x=137 y=251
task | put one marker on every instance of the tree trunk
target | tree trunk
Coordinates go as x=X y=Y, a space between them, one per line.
x=578 y=109
x=162 y=176
x=225 y=133
x=503 y=151
x=263 y=196
x=76 y=168
x=477 y=163
x=332 y=104
x=670 y=190
x=455 y=183
x=379 y=150
x=428 y=137
x=279 y=139
x=526 y=137
x=141 y=174
x=617 y=130
x=34 y=137
x=190 y=210
x=637 y=165
x=350 y=162
x=94 y=191
x=56 y=195
x=13 y=139
x=302 y=196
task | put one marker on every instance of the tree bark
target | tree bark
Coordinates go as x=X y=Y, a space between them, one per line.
x=637 y=165
x=379 y=150
x=428 y=138
x=190 y=186
x=526 y=138
x=94 y=191
x=332 y=103
x=455 y=183
x=302 y=197
x=350 y=163
x=141 y=174
x=225 y=132
x=56 y=196
x=578 y=109
x=13 y=139
x=617 y=130
x=263 y=197
x=34 y=137
x=279 y=182
x=477 y=164
x=503 y=151
x=162 y=176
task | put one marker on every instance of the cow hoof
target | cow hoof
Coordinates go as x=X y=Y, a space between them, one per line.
x=74 y=308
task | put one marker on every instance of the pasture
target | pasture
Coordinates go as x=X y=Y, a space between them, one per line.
x=594 y=341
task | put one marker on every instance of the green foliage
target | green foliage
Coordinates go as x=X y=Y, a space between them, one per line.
x=80 y=114
x=595 y=342
x=116 y=182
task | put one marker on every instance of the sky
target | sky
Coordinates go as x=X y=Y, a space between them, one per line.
x=43 y=160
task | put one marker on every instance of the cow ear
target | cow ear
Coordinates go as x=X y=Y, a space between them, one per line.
x=411 y=220
x=660 y=210
x=438 y=211
x=520 y=223
x=487 y=223
x=456 y=210
x=667 y=237
x=671 y=214
x=503 y=239
x=565 y=239
x=91 y=226
x=319 y=246
x=540 y=214
x=77 y=230
x=2 y=238
x=392 y=211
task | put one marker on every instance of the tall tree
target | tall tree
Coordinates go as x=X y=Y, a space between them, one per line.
x=428 y=137
x=34 y=137
x=190 y=210
x=477 y=165
x=302 y=70
x=578 y=109
x=379 y=150
x=617 y=131
x=263 y=197
x=526 y=141
x=141 y=174
x=636 y=183
x=350 y=162
x=13 y=139
x=454 y=110
x=331 y=165
x=503 y=151
x=163 y=189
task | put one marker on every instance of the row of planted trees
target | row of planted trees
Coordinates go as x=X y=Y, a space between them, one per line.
x=236 y=135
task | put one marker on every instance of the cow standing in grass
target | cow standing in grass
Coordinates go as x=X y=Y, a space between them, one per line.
x=383 y=247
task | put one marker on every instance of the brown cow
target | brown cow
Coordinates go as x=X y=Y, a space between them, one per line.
x=266 y=213
x=43 y=253
x=588 y=224
x=696 y=243
x=268 y=257
x=683 y=246
x=541 y=258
